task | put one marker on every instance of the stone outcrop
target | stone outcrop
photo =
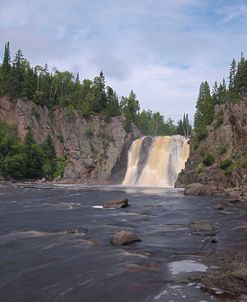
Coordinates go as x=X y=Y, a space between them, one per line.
x=226 y=140
x=116 y=204
x=199 y=189
x=124 y=238
x=96 y=147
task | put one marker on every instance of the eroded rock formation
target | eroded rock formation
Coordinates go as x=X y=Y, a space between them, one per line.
x=227 y=143
x=96 y=147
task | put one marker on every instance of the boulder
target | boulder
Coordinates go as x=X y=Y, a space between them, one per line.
x=116 y=204
x=124 y=238
x=218 y=207
x=199 y=189
x=202 y=227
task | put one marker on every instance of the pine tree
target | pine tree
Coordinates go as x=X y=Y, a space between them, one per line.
x=205 y=111
x=112 y=102
x=100 y=100
x=215 y=93
x=6 y=59
x=5 y=71
x=232 y=74
x=49 y=158
x=33 y=162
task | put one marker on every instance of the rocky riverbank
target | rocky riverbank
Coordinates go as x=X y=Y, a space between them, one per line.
x=231 y=194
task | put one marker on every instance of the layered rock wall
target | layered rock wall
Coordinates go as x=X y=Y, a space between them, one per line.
x=95 y=146
x=226 y=140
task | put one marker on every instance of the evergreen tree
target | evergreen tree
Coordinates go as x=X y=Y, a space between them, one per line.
x=205 y=111
x=5 y=71
x=112 y=107
x=49 y=158
x=6 y=59
x=232 y=74
x=215 y=93
x=33 y=159
x=100 y=100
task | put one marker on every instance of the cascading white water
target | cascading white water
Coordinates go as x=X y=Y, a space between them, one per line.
x=165 y=158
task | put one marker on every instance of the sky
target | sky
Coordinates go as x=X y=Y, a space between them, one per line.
x=162 y=49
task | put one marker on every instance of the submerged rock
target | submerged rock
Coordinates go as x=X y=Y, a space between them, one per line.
x=218 y=207
x=124 y=238
x=202 y=227
x=116 y=204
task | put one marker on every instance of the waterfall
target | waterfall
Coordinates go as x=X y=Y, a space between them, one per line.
x=156 y=161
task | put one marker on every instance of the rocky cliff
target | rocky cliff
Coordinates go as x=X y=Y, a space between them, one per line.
x=221 y=158
x=96 y=146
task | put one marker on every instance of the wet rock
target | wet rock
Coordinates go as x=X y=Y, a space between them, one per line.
x=214 y=240
x=231 y=282
x=202 y=227
x=116 y=204
x=143 y=267
x=234 y=200
x=226 y=213
x=124 y=238
x=199 y=189
x=218 y=207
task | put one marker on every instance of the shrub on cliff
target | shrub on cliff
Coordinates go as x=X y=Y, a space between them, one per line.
x=208 y=159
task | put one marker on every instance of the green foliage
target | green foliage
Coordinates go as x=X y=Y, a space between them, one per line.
x=205 y=111
x=221 y=94
x=60 y=138
x=35 y=112
x=222 y=149
x=27 y=160
x=61 y=163
x=64 y=89
x=183 y=126
x=70 y=114
x=89 y=132
x=49 y=158
x=208 y=159
x=200 y=169
x=241 y=163
x=130 y=107
x=61 y=88
x=153 y=123
x=219 y=119
x=225 y=164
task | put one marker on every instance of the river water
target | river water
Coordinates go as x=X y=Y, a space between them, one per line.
x=55 y=244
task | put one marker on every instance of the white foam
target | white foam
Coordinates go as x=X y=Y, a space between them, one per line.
x=186 y=266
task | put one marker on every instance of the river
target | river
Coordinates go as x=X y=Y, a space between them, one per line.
x=55 y=244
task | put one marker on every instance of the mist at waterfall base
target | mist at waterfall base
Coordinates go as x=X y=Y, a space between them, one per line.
x=44 y=258
x=157 y=161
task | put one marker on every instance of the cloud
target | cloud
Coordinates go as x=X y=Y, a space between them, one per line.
x=232 y=13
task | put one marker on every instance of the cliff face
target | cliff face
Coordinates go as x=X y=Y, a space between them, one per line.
x=227 y=143
x=96 y=147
